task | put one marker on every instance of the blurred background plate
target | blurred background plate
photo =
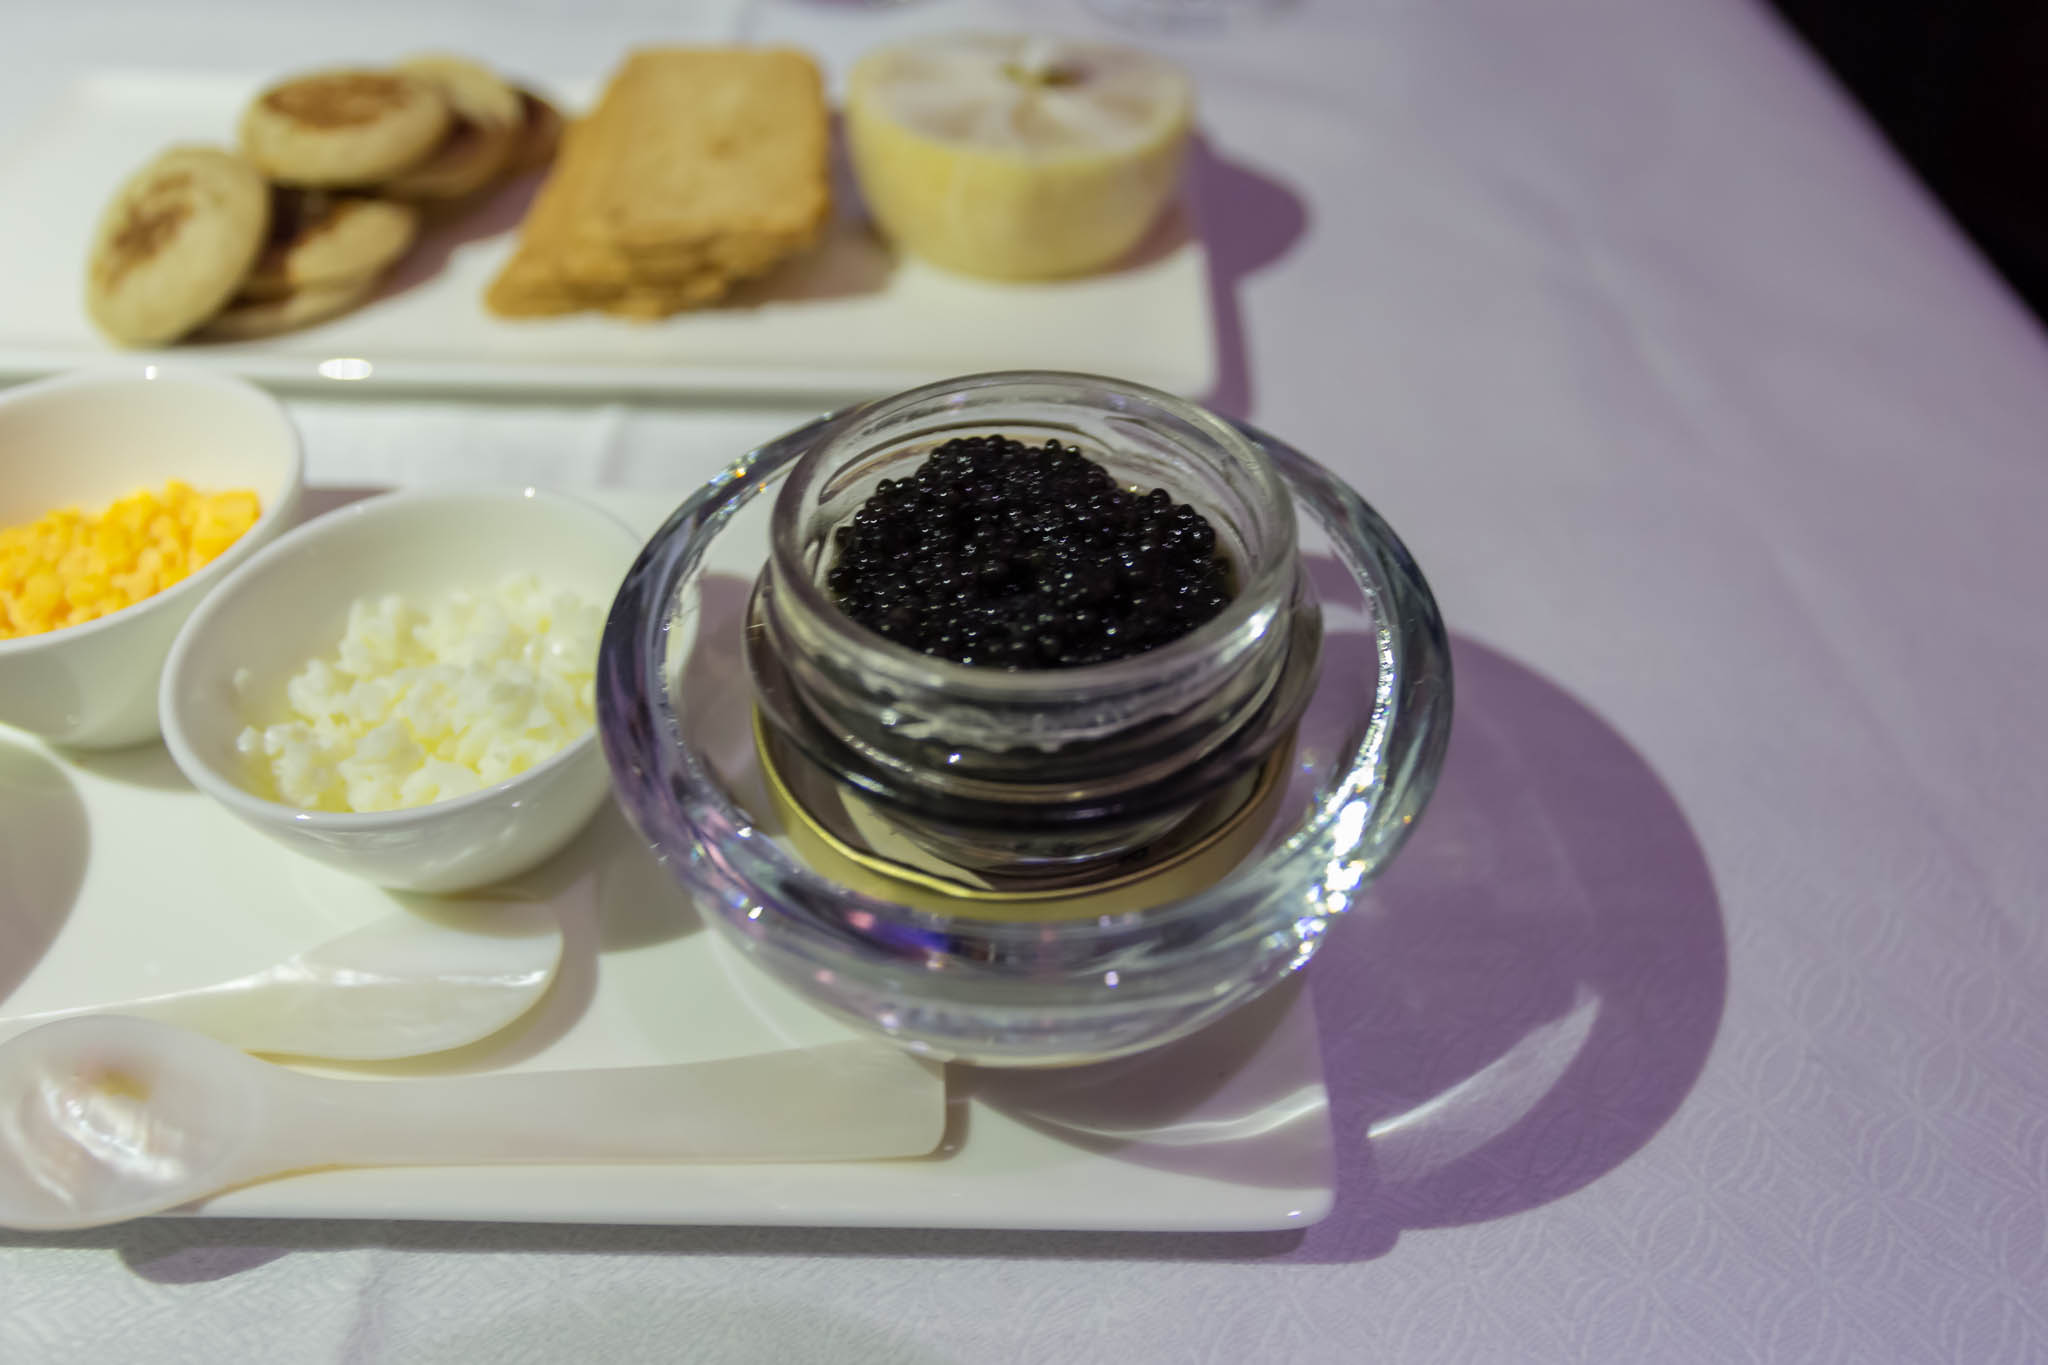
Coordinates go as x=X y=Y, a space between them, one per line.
x=847 y=321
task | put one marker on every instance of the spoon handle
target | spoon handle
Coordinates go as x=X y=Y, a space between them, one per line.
x=186 y=1008
x=843 y=1101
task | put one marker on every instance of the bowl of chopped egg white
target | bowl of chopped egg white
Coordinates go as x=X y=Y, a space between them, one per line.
x=126 y=495
x=402 y=688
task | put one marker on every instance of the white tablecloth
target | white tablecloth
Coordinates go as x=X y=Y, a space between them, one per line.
x=1727 y=460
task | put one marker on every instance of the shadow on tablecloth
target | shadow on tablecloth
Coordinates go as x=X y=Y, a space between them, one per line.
x=1247 y=221
x=1533 y=987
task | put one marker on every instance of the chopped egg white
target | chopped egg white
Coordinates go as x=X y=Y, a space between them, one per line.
x=426 y=702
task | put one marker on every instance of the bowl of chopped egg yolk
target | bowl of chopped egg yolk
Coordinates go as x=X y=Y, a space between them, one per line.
x=125 y=495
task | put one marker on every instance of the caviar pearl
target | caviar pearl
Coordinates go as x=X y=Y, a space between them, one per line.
x=1023 y=557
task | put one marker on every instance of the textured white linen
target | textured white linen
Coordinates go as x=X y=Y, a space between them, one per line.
x=1727 y=460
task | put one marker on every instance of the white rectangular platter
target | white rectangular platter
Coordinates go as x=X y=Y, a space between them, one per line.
x=849 y=320
x=117 y=879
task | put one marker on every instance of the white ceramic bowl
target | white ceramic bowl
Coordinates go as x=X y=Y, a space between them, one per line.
x=86 y=439
x=290 y=603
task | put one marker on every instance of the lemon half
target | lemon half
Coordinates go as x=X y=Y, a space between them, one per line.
x=1013 y=156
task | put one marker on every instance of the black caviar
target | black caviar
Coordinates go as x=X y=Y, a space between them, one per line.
x=1013 y=556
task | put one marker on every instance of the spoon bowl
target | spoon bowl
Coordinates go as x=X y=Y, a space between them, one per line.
x=403 y=986
x=108 y=1118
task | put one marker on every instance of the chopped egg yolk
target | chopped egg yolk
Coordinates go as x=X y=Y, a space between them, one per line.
x=68 y=568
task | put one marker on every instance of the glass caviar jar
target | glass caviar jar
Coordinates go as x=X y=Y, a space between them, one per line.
x=736 y=701
x=1043 y=778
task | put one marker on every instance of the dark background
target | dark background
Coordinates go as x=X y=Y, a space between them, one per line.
x=1960 y=87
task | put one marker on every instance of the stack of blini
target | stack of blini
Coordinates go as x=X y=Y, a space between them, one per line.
x=336 y=171
x=699 y=168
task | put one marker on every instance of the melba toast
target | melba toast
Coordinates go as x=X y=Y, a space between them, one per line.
x=699 y=168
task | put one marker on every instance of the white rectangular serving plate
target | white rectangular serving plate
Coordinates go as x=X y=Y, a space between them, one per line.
x=849 y=320
x=117 y=880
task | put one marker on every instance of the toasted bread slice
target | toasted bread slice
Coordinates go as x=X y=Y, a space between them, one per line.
x=489 y=121
x=696 y=143
x=174 y=243
x=699 y=167
x=318 y=238
x=344 y=127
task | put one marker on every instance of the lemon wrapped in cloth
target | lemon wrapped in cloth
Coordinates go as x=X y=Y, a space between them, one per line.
x=1017 y=157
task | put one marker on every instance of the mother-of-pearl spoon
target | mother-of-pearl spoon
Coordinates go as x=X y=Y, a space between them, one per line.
x=404 y=986
x=108 y=1118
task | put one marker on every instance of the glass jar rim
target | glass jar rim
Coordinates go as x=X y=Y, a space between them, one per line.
x=1247 y=617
